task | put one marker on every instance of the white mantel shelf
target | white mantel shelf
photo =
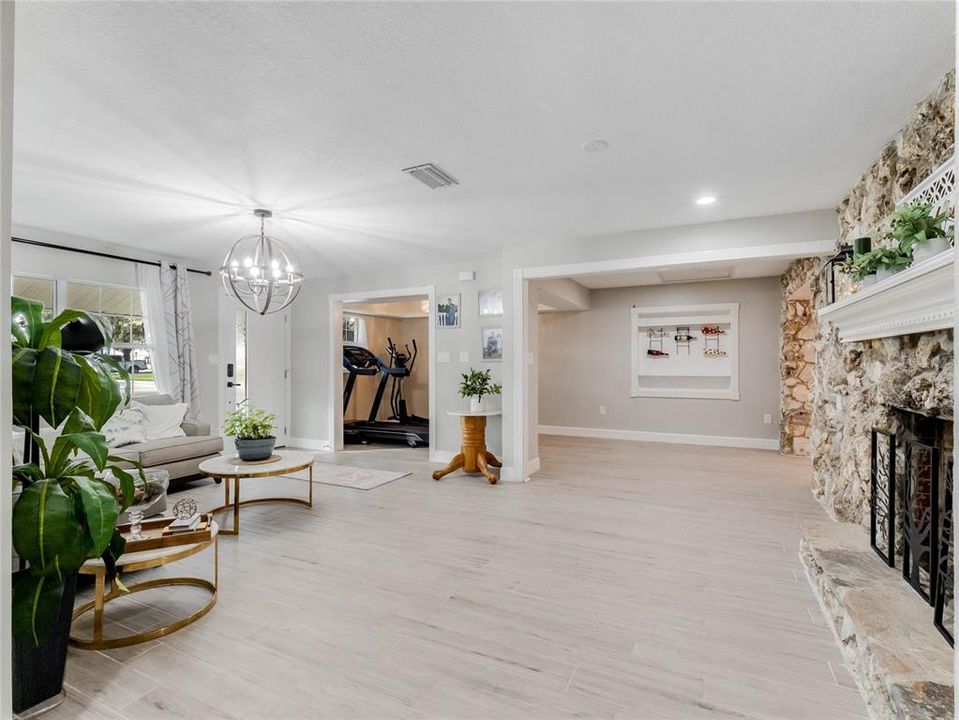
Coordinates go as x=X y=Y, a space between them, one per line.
x=919 y=299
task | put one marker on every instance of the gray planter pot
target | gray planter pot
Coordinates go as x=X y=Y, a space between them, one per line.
x=254 y=449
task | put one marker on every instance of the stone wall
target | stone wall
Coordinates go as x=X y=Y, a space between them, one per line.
x=798 y=355
x=853 y=381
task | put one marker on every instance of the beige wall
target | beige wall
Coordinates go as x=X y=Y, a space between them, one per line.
x=415 y=387
x=585 y=363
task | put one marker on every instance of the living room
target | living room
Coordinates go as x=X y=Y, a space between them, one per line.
x=453 y=360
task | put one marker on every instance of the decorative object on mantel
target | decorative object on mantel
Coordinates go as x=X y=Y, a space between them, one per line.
x=842 y=262
x=261 y=272
x=920 y=232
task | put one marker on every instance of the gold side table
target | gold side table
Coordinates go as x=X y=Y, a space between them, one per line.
x=231 y=468
x=145 y=560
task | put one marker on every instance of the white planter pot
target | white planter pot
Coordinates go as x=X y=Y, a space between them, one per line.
x=477 y=405
x=869 y=280
x=929 y=248
x=884 y=272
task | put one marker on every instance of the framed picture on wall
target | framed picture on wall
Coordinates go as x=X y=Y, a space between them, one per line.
x=490 y=302
x=492 y=344
x=448 y=310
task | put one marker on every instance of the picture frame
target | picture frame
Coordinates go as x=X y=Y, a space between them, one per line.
x=492 y=338
x=449 y=309
x=490 y=302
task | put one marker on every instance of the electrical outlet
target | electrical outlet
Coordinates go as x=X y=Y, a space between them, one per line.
x=767 y=419
x=464 y=356
x=602 y=409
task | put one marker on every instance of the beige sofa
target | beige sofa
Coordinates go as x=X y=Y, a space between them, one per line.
x=179 y=456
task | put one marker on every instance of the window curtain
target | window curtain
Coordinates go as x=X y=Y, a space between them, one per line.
x=151 y=296
x=176 y=334
x=361 y=338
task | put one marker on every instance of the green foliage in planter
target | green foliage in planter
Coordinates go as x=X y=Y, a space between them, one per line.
x=66 y=512
x=861 y=264
x=893 y=257
x=477 y=383
x=915 y=223
x=250 y=423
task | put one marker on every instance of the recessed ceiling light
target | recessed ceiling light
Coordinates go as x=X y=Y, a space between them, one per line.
x=595 y=146
x=705 y=200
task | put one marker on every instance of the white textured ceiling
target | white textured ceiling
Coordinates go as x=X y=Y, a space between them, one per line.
x=161 y=125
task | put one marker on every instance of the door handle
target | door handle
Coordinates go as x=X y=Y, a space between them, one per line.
x=230 y=384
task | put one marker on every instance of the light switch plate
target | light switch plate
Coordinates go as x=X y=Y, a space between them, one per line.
x=464 y=356
x=767 y=419
x=442 y=357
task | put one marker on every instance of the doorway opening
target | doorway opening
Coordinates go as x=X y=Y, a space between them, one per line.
x=383 y=358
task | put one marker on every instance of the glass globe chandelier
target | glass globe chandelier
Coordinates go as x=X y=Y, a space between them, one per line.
x=261 y=272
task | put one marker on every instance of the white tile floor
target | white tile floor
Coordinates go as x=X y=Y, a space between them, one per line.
x=626 y=581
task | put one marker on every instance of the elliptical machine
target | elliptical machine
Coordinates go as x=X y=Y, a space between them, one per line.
x=401 y=366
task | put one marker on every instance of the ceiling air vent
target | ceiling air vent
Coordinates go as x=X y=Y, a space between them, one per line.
x=431 y=175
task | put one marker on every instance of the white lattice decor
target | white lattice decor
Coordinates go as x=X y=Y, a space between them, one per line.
x=939 y=188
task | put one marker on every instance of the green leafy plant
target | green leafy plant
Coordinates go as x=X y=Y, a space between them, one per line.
x=66 y=512
x=861 y=264
x=477 y=383
x=250 y=423
x=893 y=257
x=915 y=223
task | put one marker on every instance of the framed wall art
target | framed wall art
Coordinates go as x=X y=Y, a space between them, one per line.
x=448 y=311
x=490 y=303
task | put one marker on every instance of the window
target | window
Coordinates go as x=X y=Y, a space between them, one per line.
x=351 y=329
x=42 y=290
x=122 y=307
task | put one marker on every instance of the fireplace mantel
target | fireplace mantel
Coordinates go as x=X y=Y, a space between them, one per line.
x=918 y=299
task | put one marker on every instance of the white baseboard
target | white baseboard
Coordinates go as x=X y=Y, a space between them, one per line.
x=442 y=456
x=309 y=443
x=672 y=438
x=532 y=466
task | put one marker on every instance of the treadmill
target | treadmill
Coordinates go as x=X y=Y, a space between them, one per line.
x=412 y=430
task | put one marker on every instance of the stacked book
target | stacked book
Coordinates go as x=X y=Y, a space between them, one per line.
x=185 y=524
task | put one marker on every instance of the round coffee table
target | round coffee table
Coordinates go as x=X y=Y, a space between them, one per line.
x=145 y=560
x=227 y=467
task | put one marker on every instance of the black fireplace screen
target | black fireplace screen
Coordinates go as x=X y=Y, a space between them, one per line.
x=882 y=508
x=946 y=575
x=920 y=519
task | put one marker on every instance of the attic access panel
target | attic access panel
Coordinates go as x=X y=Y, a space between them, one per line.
x=685 y=351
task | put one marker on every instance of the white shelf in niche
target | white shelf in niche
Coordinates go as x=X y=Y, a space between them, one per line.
x=916 y=300
x=682 y=374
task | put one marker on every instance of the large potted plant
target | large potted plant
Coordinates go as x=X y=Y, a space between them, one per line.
x=66 y=511
x=862 y=266
x=252 y=433
x=892 y=259
x=919 y=233
x=476 y=385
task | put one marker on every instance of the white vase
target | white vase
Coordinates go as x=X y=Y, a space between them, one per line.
x=869 y=280
x=929 y=248
x=883 y=272
x=477 y=405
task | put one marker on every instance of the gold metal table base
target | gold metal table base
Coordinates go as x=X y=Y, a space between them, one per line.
x=236 y=503
x=100 y=599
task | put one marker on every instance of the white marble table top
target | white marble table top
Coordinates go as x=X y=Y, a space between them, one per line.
x=151 y=555
x=470 y=413
x=226 y=466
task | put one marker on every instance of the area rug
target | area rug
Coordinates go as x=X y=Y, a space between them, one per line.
x=353 y=477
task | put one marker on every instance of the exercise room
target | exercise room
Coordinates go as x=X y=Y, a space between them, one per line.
x=386 y=373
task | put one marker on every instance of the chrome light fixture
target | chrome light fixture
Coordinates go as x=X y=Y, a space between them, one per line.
x=261 y=272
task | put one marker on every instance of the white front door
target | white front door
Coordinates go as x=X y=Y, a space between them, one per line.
x=255 y=361
x=268 y=367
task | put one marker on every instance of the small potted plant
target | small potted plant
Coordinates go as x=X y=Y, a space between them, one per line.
x=919 y=233
x=862 y=266
x=892 y=259
x=476 y=385
x=252 y=432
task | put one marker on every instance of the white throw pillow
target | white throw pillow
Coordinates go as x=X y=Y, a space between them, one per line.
x=126 y=427
x=162 y=421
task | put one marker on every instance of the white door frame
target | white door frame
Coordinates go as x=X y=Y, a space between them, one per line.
x=523 y=354
x=335 y=404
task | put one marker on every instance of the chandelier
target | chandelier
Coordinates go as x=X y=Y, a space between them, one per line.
x=261 y=272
